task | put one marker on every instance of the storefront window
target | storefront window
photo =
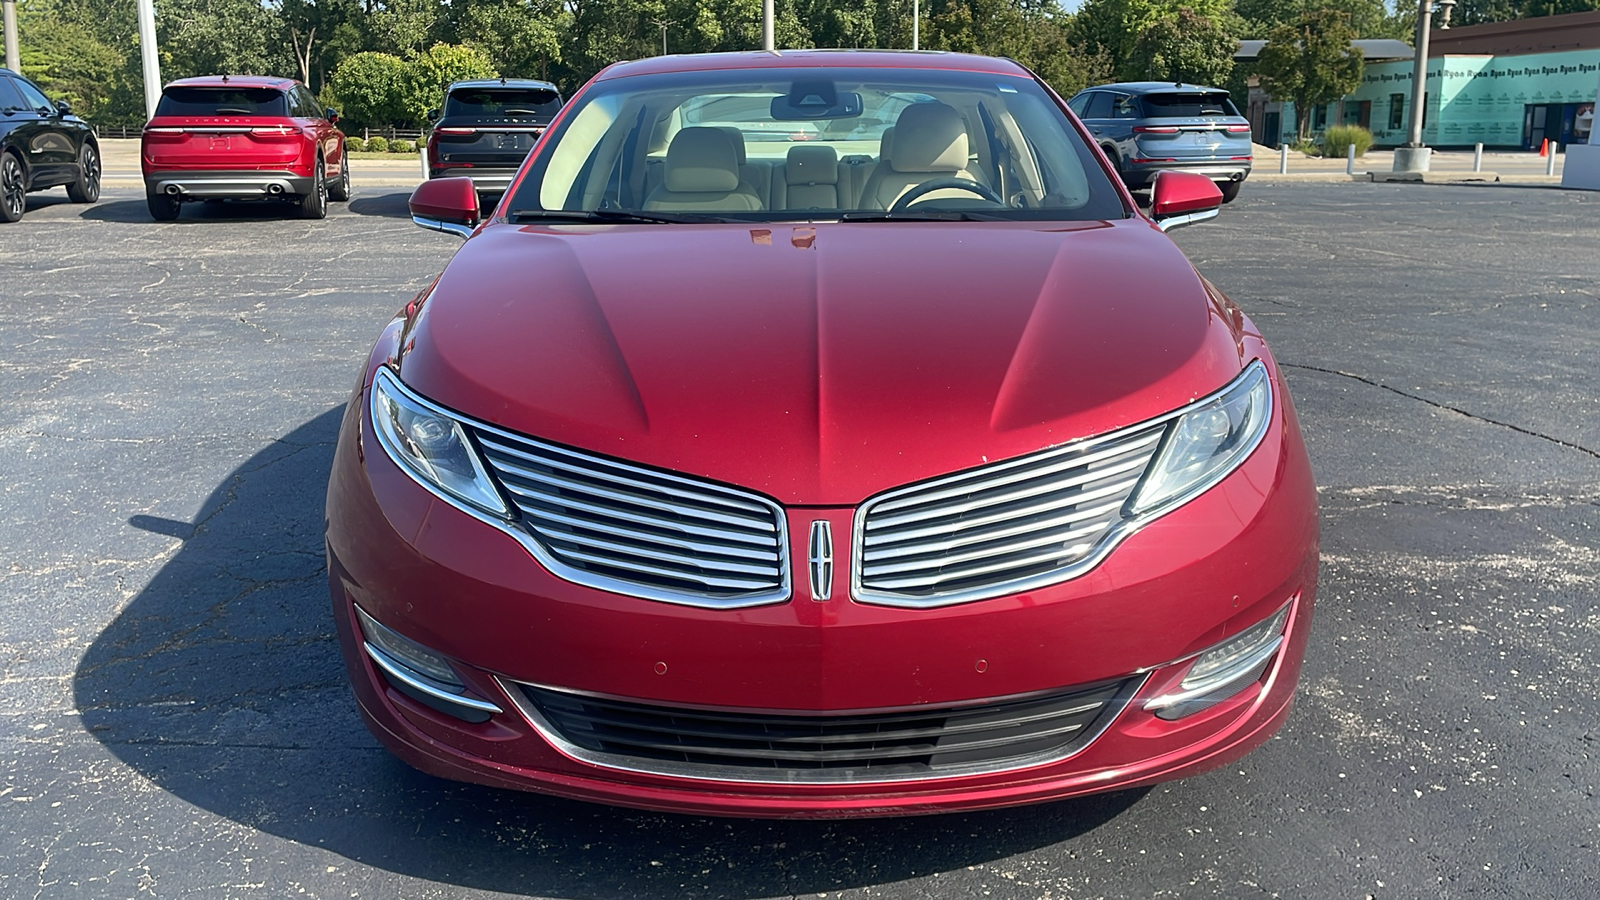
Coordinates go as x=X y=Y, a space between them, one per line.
x=1397 y=111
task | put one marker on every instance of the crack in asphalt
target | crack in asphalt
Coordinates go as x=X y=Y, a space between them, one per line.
x=1560 y=442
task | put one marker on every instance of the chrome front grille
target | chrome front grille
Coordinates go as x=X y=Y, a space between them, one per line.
x=901 y=745
x=1003 y=528
x=641 y=532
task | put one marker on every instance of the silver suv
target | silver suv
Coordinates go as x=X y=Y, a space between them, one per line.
x=1147 y=126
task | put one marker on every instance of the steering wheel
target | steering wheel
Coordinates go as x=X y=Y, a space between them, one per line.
x=940 y=184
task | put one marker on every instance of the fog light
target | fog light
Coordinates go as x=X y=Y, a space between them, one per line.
x=1224 y=670
x=420 y=673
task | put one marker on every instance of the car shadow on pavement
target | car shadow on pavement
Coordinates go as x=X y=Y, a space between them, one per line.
x=198 y=211
x=221 y=683
x=392 y=205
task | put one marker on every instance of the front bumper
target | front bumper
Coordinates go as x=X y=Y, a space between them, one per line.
x=224 y=185
x=1225 y=561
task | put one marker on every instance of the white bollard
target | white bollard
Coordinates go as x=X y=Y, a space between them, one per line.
x=1350 y=160
x=1283 y=159
x=1550 y=161
x=1477 y=158
x=422 y=157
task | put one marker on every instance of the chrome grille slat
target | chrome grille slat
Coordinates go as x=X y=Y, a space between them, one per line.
x=638 y=531
x=681 y=543
x=620 y=474
x=823 y=747
x=1009 y=526
x=884 y=543
x=955 y=559
x=633 y=498
x=1113 y=450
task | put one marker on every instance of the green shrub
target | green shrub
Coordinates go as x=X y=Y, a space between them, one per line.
x=1308 y=147
x=378 y=144
x=355 y=144
x=402 y=147
x=1338 y=138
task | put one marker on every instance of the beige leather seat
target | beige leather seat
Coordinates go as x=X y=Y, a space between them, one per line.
x=812 y=175
x=702 y=174
x=929 y=141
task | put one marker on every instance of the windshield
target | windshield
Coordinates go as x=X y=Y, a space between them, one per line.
x=776 y=144
x=195 y=101
x=1159 y=106
x=499 y=102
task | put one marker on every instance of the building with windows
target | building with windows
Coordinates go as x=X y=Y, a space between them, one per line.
x=1506 y=85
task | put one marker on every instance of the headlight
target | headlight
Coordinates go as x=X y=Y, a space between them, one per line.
x=430 y=445
x=1208 y=441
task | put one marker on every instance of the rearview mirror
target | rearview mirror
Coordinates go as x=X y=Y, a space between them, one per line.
x=813 y=100
x=1183 y=198
x=449 y=205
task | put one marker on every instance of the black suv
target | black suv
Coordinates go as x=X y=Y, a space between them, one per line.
x=1147 y=126
x=487 y=129
x=42 y=145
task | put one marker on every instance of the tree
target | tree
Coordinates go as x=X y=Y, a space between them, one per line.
x=1369 y=18
x=369 y=86
x=1183 y=46
x=1310 y=62
x=210 y=37
x=427 y=74
x=519 y=37
x=70 y=64
x=1113 y=26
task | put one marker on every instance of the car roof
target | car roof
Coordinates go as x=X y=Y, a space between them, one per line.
x=789 y=59
x=1153 y=87
x=524 y=83
x=248 y=81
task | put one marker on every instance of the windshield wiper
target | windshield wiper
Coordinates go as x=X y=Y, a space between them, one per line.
x=922 y=215
x=616 y=215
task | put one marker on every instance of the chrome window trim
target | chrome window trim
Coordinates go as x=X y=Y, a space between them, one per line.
x=697 y=772
x=583 y=577
x=1167 y=223
x=1107 y=542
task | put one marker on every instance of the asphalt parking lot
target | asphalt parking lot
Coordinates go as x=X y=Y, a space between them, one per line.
x=173 y=707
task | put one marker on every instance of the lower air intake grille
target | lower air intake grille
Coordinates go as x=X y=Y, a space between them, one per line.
x=832 y=747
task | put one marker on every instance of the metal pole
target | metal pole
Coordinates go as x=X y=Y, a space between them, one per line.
x=1350 y=159
x=1550 y=161
x=13 y=56
x=916 y=24
x=767 y=42
x=1283 y=159
x=1419 y=73
x=1477 y=158
x=152 y=63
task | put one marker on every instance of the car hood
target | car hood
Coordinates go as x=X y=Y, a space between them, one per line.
x=820 y=364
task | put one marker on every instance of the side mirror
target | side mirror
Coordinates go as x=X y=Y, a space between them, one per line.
x=333 y=116
x=63 y=107
x=1183 y=198
x=449 y=205
x=433 y=115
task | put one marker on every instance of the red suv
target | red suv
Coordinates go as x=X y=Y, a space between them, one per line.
x=222 y=137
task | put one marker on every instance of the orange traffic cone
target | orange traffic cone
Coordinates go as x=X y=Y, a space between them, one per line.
x=1544 y=147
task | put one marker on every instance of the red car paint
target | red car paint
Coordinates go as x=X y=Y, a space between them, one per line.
x=802 y=366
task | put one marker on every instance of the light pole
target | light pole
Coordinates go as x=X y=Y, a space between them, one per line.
x=1414 y=156
x=768 y=43
x=916 y=24
x=13 y=58
x=152 y=62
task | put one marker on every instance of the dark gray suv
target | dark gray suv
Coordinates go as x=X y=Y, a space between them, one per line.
x=1147 y=126
x=486 y=129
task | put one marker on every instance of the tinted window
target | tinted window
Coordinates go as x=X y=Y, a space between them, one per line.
x=9 y=98
x=502 y=102
x=32 y=96
x=1124 y=106
x=197 y=101
x=1099 y=106
x=1078 y=104
x=1210 y=103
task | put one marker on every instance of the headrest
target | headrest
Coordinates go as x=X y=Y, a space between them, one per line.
x=701 y=160
x=929 y=137
x=738 y=140
x=886 y=143
x=812 y=164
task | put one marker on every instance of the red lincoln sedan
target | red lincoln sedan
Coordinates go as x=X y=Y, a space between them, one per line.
x=820 y=434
